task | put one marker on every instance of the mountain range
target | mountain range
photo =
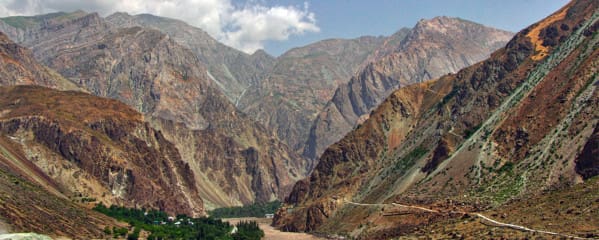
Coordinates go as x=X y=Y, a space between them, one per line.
x=235 y=159
x=370 y=138
x=187 y=85
x=315 y=94
x=431 y=49
x=498 y=138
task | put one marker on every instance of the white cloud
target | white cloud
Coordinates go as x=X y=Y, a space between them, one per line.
x=258 y=23
x=244 y=27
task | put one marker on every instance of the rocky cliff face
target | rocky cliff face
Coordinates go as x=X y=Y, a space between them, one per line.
x=149 y=71
x=233 y=71
x=301 y=83
x=97 y=148
x=519 y=124
x=18 y=67
x=432 y=48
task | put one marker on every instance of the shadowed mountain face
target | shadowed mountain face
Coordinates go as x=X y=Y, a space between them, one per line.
x=432 y=48
x=71 y=146
x=301 y=83
x=37 y=192
x=296 y=95
x=520 y=124
x=235 y=160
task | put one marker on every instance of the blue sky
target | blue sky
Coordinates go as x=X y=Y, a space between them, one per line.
x=279 y=25
x=352 y=18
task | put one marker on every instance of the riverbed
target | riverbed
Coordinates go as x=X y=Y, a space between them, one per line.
x=270 y=233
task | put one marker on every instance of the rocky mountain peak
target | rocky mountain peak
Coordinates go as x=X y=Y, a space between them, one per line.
x=262 y=57
x=485 y=138
x=260 y=53
x=25 y=22
x=437 y=24
x=148 y=66
x=74 y=19
x=232 y=70
x=450 y=28
x=432 y=48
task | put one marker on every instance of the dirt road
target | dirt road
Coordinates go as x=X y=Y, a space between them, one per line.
x=487 y=219
x=271 y=233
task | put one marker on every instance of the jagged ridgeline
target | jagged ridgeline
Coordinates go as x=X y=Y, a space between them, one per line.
x=497 y=138
x=373 y=137
x=234 y=159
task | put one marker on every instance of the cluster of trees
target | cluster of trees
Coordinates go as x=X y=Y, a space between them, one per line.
x=254 y=210
x=183 y=227
x=248 y=230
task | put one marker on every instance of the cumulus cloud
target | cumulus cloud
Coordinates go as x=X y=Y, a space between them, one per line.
x=245 y=27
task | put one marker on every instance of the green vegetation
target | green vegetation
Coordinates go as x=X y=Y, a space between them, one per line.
x=468 y=133
x=183 y=227
x=119 y=232
x=447 y=98
x=87 y=199
x=248 y=230
x=107 y=230
x=507 y=167
x=254 y=210
x=408 y=161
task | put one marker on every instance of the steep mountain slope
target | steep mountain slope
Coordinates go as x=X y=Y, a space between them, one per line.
x=95 y=147
x=235 y=160
x=578 y=214
x=301 y=83
x=18 y=67
x=432 y=48
x=233 y=71
x=28 y=207
x=520 y=124
x=77 y=144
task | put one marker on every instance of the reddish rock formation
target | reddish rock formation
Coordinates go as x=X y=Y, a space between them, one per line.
x=100 y=144
x=149 y=71
x=515 y=125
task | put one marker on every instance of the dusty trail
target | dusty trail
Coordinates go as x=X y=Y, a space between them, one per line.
x=484 y=218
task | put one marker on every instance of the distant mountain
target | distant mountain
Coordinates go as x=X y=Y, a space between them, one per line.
x=233 y=71
x=301 y=83
x=511 y=138
x=235 y=160
x=432 y=48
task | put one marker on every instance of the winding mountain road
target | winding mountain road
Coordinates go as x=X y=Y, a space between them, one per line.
x=484 y=218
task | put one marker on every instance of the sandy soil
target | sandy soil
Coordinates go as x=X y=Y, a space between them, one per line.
x=271 y=233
